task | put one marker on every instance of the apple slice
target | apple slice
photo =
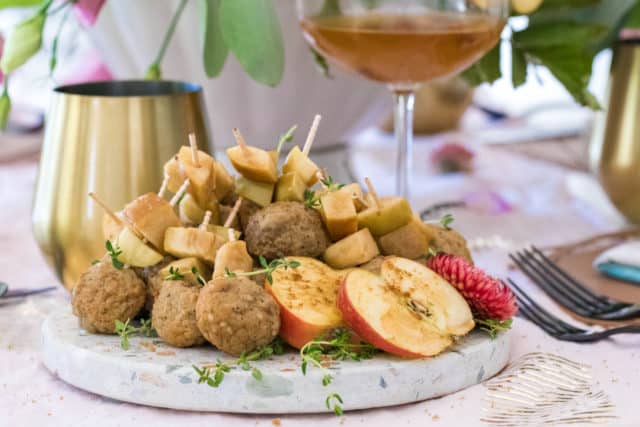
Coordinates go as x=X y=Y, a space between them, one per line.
x=307 y=299
x=134 y=251
x=407 y=310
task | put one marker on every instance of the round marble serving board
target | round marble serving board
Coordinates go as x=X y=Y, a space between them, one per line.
x=153 y=373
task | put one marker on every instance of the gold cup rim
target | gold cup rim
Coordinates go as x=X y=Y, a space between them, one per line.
x=129 y=88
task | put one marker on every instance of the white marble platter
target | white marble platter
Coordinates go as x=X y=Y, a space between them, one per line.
x=153 y=373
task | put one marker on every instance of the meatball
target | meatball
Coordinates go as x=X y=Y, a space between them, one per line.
x=152 y=280
x=286 y=229
x=448 y=241
x=105 y=294
x=247 y=209
x=174 y=314
x=236 y=315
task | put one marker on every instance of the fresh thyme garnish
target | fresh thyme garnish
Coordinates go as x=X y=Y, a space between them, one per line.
x=494 y=327
x=337 y=408
x=201 y=280
x=114 y=252
x=125 y=330
x=310 y=199
x=174 y=274
x=330 y=184
x=218 y=374
x=446 y=221
x=267 y=268
x=286 y=137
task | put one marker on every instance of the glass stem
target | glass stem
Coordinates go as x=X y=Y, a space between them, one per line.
x=403 y=121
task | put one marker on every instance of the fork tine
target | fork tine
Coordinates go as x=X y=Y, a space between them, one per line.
x=526 y=309
x=559 y=324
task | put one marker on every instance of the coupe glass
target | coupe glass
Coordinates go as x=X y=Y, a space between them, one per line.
x=403 y=43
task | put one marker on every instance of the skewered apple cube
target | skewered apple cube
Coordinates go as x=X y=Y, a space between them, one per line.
x=391 y=214
x=233 y=256
x=134 y=251
x=201 y=175
x=258 y=192
x=353 y=250
x=223 y=232
x=290 y=188
x=339 y=214
x=356 y=194
x=224 y=180
x=253 y=163
x=174 y=171
x=189 y=211
x=184 y=242
x=408 y=241
x=150 y=216
x=185 y=267
x=111 y=228
x=298 y=162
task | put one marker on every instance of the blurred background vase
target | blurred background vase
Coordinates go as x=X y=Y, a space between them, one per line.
x=111 y=138
x=615 y=145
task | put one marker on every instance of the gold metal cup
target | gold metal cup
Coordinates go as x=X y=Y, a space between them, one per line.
x=615 y=144
x=112 y=138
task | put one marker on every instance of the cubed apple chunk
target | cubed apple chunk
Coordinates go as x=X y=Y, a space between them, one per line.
x=185 y=267
x=408 y=241
x=353 y=250
x=355 y=191
x=339 y=214
x=190 y=211
x=298 y=162
x=223 y=232
x=290 y=188
x=184 y=242
x=391 y=214
x=232 y=256
x=150 y=216
x=224 y=180
x=202 y=178
x=253 y=163
x=134 y=252
x=258 y=192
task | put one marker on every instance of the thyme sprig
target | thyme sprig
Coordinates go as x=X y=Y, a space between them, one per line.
x=330 y=184
x=286 y=137
x=494 y=327
x=174 y=274
x=125 y=330
x=267 y=268
x=446 y=221
x=114 y=252
x=201 y=280
x=204 y=374
x=311 y=200
x=337 y=407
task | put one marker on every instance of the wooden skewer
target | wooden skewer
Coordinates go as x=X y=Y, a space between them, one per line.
x=232 y=234
x=163 y=187
x=106 y=208
x=321 y=174
x=206 y=220
x=312 y=135
x=373 y=192
x=194 y=150
x=239 y=139
x=179 y=193
x=233 y=213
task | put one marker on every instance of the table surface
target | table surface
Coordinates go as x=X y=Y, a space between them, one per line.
x=543 y=213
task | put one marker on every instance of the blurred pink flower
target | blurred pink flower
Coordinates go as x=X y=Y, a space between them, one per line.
x=487 y=202
x=92 y=69
x=452 y=157
x=87 y=11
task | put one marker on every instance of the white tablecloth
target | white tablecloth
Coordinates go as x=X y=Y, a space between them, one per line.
x=543 y=214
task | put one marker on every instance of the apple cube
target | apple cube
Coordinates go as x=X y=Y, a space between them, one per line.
x=408 y=241
x=184 y=242
x=175 y=173
x=302 y=165
x=202 y=178
x=290 y=188
x=224 y=182
x=190 y=211
x=355 y=191
x=134 y=251
x=393 y=213
x=185 y=267
x=258 y=192
x=223 y=232
x=339 y=214
x=353 y=250
x=253 y=163
x=233 y=256
x=150 y=216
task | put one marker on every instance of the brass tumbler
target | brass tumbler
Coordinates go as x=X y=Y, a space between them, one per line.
x=615 y=145
x=112 y=138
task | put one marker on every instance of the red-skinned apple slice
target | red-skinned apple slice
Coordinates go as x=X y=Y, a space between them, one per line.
x=307 y=299
x=407 y=310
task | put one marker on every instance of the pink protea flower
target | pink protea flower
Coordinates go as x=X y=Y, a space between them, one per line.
x=488 y=297
x=452 y=157
x=87 y=11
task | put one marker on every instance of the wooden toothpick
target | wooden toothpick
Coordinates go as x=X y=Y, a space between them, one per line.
x=106 y=208
x=239 y=139
x=176 y=197
x=194 y=150
x=163 y=187
x=206 y=220
x=373 y=192
x=233 y=213
x=232 y=234
x=312 y=135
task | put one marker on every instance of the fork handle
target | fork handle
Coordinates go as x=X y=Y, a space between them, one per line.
x=597 y=336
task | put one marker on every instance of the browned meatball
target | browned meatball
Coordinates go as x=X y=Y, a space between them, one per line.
x=105 y=294
x=152 y=280
x=247 y=209
x=447 y=241
x=286 y=229
x=236 y=315
x=174 y=314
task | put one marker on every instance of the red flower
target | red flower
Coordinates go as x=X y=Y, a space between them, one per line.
x=488 y=297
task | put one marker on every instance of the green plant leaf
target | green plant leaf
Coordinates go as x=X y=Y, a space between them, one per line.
x=214 y=50
x=23 y=42
x=633 y=19
x=486 y=70
x=19 y=3
x=5 y=109
x=252 y=32
x=518 y=67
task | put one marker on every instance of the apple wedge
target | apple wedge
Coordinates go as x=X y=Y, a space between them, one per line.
x=307 y=299
x=406 y=310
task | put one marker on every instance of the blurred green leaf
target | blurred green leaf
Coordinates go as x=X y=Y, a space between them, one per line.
x=19 y=3
x=23 y=42
x=154 y=72
x=633 y=20
x=518 y=67
x=252 y=32
x=5 y=109
x=486 y=70
x=214 y=49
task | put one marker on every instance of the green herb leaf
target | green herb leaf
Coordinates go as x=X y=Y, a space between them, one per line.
x=337 y=400
x=310 y=199
x=251 y=31
x=326 y=379
x=330 y=184
x=322 y=65
x=494 y=327
x=174 y=274
x=114 y=252
x=286 y=137
x=446 y=221
x=256 y=373
x=214 y=49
